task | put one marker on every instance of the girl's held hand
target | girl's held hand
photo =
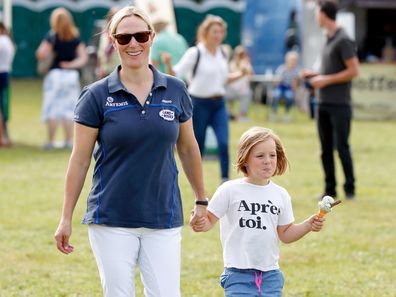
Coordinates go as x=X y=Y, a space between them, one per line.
x=200 y=225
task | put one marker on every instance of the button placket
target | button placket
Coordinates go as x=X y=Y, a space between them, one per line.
x=147 y=102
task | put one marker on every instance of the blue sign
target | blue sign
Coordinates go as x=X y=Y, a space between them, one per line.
x=268 y=26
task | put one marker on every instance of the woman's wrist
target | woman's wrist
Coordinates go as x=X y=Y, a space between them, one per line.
x=202 y=202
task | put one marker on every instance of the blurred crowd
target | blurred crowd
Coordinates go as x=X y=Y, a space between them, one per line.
x=66 y=63
x=220 y=79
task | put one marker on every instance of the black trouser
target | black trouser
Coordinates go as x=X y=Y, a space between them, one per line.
x=334 y=123
x=4 y=81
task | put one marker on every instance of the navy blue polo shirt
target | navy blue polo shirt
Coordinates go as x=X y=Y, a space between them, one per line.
x=135 y=180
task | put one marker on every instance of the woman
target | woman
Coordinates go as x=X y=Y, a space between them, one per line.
x=206 y=65
x=7 y=51
x=62 y=83
x=136 y=116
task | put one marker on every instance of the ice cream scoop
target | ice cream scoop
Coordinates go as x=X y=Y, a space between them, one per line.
x=326 y=204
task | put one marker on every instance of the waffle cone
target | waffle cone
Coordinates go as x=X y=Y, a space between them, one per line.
x=322 y=213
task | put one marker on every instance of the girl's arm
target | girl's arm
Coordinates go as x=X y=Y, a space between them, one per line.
x=293 y=232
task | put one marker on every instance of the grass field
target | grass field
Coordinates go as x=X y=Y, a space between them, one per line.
x=354 y=255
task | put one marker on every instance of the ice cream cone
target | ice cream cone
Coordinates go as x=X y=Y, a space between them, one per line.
x=322 y=213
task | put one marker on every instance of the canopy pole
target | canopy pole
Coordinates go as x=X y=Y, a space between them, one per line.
x=7 y=13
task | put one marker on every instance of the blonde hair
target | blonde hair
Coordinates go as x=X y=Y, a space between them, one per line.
x=239 y=51
x=238 y=58
x=62 y=23
x=254 y=136
x=126 y=12
x=208 y=22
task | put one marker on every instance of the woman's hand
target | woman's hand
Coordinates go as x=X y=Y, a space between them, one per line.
x=202 y=225
x=197 y=213
x=62 y=235
x=199 y=223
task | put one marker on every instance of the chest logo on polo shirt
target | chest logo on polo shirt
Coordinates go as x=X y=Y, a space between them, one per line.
x=110 y=102
x=167 y=114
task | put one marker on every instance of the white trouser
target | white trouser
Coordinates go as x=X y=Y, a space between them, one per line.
x=119 y=250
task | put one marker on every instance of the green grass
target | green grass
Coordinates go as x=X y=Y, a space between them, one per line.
x=354 y=255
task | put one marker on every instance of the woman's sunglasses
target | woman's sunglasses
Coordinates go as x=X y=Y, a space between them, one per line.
x=140 y=37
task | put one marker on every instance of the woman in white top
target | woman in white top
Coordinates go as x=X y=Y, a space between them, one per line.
x=7 y=51
x=205 y=67
x=255 y=213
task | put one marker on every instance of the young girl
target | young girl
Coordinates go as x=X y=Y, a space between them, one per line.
x=254 y=212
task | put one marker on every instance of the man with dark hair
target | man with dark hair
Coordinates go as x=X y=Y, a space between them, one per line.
x=339 y=66
x=329 y=8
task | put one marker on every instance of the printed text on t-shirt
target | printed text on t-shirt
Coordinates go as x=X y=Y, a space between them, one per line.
x=254 y=209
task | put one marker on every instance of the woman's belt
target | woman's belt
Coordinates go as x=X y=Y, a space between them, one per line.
x=217 y=97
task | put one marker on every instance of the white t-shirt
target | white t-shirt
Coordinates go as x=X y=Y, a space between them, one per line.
x=7 y=51
x=211 y=74
x=249 y=215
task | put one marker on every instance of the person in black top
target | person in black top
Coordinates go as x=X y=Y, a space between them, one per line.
x=339 y=66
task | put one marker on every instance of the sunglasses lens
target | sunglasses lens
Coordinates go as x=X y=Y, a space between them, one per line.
x=123 y=38
x=140 y=37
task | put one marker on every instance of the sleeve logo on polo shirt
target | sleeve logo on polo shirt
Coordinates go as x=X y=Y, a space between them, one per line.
x=167 y=114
